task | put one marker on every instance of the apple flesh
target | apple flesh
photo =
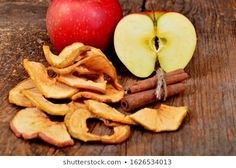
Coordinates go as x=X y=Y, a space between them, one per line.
x=91 y=22
x=141 y=39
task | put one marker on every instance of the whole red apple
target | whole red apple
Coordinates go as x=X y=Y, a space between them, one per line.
x=91 y=22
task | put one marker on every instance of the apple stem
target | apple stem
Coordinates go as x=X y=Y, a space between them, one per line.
x=154 y=20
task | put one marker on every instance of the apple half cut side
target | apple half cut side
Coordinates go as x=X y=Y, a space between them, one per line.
x=141 y=39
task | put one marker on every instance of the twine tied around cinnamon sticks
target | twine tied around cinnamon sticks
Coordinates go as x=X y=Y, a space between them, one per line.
x=156 y=88
x=161 y=83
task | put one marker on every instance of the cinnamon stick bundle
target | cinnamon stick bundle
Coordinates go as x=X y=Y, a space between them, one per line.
x=144 y=92
x=150 y=83
x=140 y=99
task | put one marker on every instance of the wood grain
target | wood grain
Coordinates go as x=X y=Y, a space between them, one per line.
x=211 y=129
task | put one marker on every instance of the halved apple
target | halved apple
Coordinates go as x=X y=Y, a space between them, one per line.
x=143 y=38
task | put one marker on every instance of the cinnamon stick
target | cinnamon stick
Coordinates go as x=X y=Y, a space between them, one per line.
x=150 y=83
x=140 y=99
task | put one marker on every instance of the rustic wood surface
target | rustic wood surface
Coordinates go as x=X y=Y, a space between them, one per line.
x=211 y=94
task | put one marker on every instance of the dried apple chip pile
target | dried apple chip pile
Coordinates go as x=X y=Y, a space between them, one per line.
x=81 y=73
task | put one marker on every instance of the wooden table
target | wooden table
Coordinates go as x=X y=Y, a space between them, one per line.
x=211 y=94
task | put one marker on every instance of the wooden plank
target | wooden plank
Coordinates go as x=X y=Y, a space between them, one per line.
x=211 y=94
x=130 y=6
x=22 y=33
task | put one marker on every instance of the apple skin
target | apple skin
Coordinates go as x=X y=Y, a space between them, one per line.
x=91 y=22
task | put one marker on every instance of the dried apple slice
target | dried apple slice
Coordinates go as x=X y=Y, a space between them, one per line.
x=166 y=118
x=32 y=123
x=39 y=101
x=102 y=110
x=77 y=126
x=49 y=87
x=76 y=105
x=95 y=51
x=81 y=70
x=67 y=56
x=64 y=71
x=97 y=61
x=112 y=95
x=53 y=109
x=121 y=134
x=16 y=97
x=56 y=134
x=28 y=122
x=110 y=123
x=82 y=83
